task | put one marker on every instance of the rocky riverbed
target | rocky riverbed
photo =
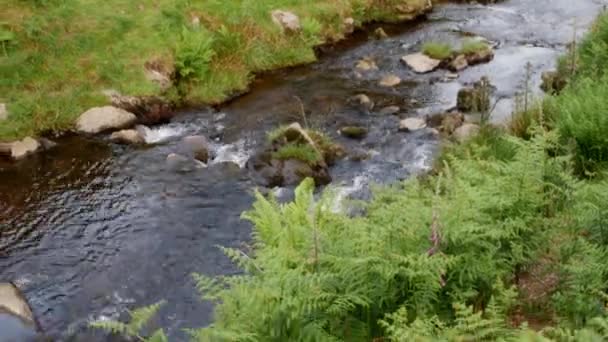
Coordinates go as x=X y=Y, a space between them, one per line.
x=91 y=228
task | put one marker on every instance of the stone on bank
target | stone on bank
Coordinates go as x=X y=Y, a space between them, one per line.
x=100 y=119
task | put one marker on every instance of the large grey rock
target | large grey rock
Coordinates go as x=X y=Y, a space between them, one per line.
x=99 y=119
x=412 y=124
x=128 y=136
x=3 y=112
x=421 y=63
x=22 y=148
x=288 y=21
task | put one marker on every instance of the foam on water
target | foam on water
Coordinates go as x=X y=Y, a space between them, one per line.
x=236 y=152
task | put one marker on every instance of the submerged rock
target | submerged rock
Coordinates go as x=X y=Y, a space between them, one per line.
x=390 y=110
x=421 y=63
x=389 y=81
x=128 y=136
x=99 y=119
x=412 y=124
x=354 y=132
x=480 y=56
x=288 y=21
x=363 y=102
x=366 y=64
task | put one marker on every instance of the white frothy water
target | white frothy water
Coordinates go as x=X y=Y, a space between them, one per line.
x=343 y=192
x=161 y=134
x=236 y=152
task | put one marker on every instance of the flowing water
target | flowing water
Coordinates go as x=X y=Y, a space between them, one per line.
x=91 y=229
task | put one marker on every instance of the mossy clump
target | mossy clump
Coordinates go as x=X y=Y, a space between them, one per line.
x=437 y=50
x=471 y=46
x=301 y=152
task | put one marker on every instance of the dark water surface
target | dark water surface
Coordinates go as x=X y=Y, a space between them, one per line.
x=91 y=229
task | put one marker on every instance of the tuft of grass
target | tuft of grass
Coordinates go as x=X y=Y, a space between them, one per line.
x=437 y=50
x=302 y=152
x=471 y=46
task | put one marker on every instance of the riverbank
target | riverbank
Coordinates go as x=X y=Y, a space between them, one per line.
x=59 y=58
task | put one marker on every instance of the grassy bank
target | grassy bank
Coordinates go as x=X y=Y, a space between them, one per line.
x=58 y=56
x=506 y=241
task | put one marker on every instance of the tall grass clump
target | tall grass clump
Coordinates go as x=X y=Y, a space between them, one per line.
x=437 y=50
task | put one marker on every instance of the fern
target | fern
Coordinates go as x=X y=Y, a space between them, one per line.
x=138 y=319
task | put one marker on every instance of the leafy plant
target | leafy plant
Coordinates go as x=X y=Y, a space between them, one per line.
x=193 y=54
x=139 y=318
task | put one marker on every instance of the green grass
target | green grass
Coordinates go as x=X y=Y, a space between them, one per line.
x=301 y=152
x=56 y=57
x=471 y=46
x=437 y=50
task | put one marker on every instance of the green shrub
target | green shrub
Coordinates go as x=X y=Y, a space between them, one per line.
x=193 y=54
x=437 y=50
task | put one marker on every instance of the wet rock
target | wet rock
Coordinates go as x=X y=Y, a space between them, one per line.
x=389 y=81
x=294 y=171
x=128 y=136
x=447 y=123
x=180 y=163
x=552 y=82
x=390 y=110
x=288 y=21
x=349 y=25
x=99 y=119
x=481 y=56
x=3 y=112
x=195 y=146
x=354 y=132
x=149 y=110
x=363 y=102
x=17 y=322
x=23 y=148
x=459 y=63
x=412 y=124
x=421 y=63
x=466 y=131
x=476 y=98
x=380 y=34
x=46 y=143
x=359 y=155
x=366 y=64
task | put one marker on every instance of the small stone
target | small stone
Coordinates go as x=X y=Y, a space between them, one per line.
x=46 y=143
x=354 y=132
x=366 y=64
x=450 y=76
x=128 y=136
x=379 y=33
x=363 y=101
x=389 y=81
x=349 y=25
x=20 y=149
x=459 y=63
x=421 y=63
x=466 y=131
x=3 y=112
x=414 y=102
x=390 y=110
x=288 y=21
x=412 y=124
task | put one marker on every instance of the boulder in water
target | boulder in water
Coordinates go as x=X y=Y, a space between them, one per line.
x=99 y=119
x=196 y=146
x=421 y=63
x=354 y=132
x=459 y=63
x=363 y=102
x=390 y=110
x=390 y=81
x=366 y=64
x=412 y=124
